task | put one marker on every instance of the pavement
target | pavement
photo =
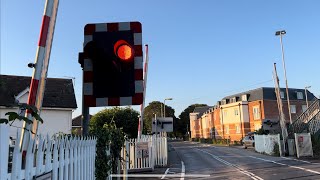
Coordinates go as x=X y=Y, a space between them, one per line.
x=192 y=160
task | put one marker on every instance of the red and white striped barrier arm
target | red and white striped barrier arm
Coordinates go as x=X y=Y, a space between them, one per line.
x=145 y=77
x=39 y=76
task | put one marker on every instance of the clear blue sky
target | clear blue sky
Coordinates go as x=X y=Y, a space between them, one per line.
x=200 y=51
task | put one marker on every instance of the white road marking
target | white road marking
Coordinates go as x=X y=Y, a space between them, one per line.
x=159 y=175
x=253 y=176
x=299 y=160
x=297 y=167
x=165 y=173
x=183 y=170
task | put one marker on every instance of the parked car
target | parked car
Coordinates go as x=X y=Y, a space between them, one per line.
x=248 y=141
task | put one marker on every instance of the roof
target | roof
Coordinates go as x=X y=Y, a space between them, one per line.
x=77 y=121
x=268 y=93
x=201 y=109
x=59 y=93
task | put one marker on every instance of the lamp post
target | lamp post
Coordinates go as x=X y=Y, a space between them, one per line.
x=305 y=90
x=164 y=106
x=281 y=33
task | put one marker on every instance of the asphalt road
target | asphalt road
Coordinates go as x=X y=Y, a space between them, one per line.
x=199 y=161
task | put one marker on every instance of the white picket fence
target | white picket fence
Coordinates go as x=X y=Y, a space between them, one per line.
x=157 y=153
x=266 y=143
x=58 y=158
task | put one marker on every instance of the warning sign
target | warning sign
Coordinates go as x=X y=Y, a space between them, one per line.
x=142 y=150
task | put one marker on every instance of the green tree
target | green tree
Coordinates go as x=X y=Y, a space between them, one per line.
x=125 y=118
x=110 y=127
x=184 y=118
x=149 y=112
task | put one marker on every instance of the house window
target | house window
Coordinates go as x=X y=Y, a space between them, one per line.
x=237 y=129
x=299 y=95
x=225 y=113
x=282 y=95
x=227 y=129
x=244 y=97
x=256 y=112
x=304 y=108
x=225 y=101
x=236 y=112
x=293 y=109
x=233 y=100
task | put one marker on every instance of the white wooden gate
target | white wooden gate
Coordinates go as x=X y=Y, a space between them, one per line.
x=157 y=153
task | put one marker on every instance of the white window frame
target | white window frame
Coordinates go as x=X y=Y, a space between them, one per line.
x=293 y=109
x=256 y=112
x=281 y=94
x=299 y=95
x=224 y=101
x=227 y=129
x=238 y=128
x=244 y=97
x=225 y=113
x=236 y=112
x=304 y=108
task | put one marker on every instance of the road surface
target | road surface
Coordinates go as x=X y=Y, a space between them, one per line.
x=200 y=161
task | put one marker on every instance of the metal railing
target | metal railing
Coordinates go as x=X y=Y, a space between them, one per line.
x=307 y=119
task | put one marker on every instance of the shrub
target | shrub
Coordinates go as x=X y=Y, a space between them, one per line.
x=276 y=151
x=315 y=139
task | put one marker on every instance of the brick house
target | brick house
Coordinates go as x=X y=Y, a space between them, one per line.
x=199 y=128
x=77 y=124
x=58 y=103
x=236 y=115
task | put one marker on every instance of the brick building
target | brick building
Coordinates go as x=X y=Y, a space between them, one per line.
x=236 y=115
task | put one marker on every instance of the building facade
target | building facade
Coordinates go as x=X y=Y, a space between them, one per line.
x=235 y=116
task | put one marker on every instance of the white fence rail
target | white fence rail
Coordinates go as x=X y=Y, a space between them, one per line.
x=58 y=158
x=155 y=155
x=266 y=143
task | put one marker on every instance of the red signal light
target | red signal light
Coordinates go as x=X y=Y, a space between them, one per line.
x=123 y=50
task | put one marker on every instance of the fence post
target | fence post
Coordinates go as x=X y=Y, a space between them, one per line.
x=67 y=158
x=39 y=162
x=29 y=156
x=48 y=153
x=4 y=152
x=55 y=159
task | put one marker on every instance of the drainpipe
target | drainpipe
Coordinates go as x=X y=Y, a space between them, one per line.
x=222 y=122
x=242 y=128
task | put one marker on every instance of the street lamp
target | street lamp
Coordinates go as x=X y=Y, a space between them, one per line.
x=281 y=33
x=305 y=90
x=164 y=106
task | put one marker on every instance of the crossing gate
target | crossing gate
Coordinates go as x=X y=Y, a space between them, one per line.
x=145 y=153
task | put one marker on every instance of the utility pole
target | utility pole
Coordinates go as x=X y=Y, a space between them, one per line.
x=281 y=33
x=280 y=107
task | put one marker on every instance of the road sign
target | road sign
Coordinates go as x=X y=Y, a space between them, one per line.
x=142 y=149
x=112 y=64
x=162 y=124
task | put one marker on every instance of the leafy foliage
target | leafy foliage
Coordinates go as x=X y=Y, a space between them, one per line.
x=152 y=109
x=184 y=119
x=261 y=131
x=276 y=150
x=12 y=116
x=110 y=127
x=125 y=118
x=315 y=139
